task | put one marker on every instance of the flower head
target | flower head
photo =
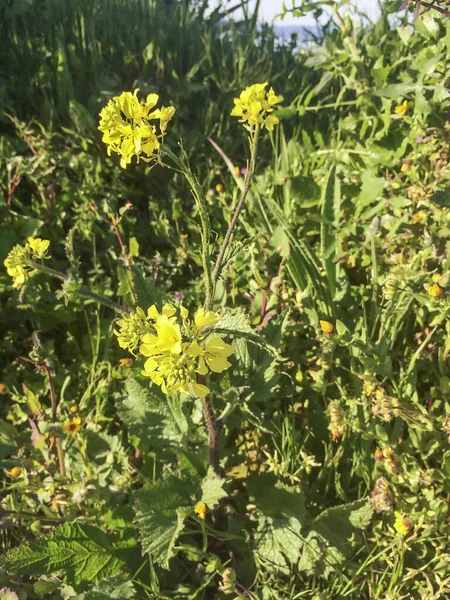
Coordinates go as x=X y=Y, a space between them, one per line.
x=134 y=128
x=18 y=263
x=435 y=290
x=327 y=327
x=401 y=109
x=200 y=509
x=131 y=328
x=72 y=426
x=401 y=524
x=38 y=247
x=254 y=107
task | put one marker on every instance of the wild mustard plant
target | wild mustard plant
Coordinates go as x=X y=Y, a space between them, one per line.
x=181 y=352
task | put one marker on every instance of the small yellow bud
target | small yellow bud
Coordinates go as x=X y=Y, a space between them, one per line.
x=219 y=188
x=15 y=472
x=435 y=290
x=2 y=388
x=401 y=109
x=402 y=524
x=327 y=327
x=73 y=408
x=125 y=362
x=237 y=170
x=200 y=509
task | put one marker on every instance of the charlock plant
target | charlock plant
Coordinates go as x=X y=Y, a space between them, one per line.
x=181 y=350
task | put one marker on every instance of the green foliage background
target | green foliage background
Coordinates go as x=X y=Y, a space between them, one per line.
x=348 y=220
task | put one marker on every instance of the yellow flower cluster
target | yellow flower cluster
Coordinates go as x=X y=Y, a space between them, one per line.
x=18 y=262
x=127 y=129
x=254 y=107
x=177 y=349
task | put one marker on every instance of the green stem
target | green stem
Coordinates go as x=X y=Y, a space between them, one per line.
x=200 y=200
x=83 y=292
x=234 y=218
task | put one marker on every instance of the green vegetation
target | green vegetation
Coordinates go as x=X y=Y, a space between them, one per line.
x=317 y=464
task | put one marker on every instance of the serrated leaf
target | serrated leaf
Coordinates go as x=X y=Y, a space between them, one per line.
x=161 y=509
x=275 y=499
x=212 y=489
x=153 y=416
x=333 y=535
x=115 y=588
x=236 y=324
x=146 y=291
x=83 y=552
x=278 y=543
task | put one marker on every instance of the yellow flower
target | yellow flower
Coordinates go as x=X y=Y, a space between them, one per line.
x=72 y=426
x=3 y=388
x=254 y=107
x=200 y=509
x=401 y=109
x=19 y=275
x=402 y=524
x=38 y=247
x=15 y=472
x=214 y=356
x=73 y=408
x=419 y=216
x=237 y=170
x=126 y=124
x=435 y=290
x=202 y=319
x=327 y=327
x=219 y=188
x=17 y=264
x=406 y=167
x=167 y=338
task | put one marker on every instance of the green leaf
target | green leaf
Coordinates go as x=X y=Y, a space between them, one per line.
x=83 y=552
x=236 y=324
x=161 y=509
x=372 y=187
x=212 y=489
x=154 y=417
x=146 y=291
x=278 y=543
x=333 y=535
x=275 y=499
x=115 y=588
x=134 y=247
x=330 y=210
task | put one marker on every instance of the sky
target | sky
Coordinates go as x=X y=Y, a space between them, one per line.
x=270 y=8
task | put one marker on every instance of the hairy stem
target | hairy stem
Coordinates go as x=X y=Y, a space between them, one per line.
x=200 y=201
x=214 y=426
x=234 y=218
